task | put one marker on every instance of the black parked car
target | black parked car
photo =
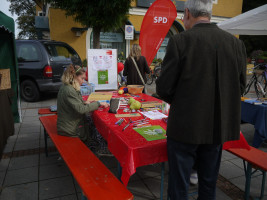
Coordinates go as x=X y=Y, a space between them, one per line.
x=41 y=65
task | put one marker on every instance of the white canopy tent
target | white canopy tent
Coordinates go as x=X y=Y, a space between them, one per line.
x=253 y=22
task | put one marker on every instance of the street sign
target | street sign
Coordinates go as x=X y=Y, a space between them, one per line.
x=129 y=32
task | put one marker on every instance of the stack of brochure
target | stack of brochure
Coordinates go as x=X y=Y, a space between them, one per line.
x=255 y=101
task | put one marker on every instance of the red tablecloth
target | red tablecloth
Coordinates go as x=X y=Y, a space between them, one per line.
x=130 y=148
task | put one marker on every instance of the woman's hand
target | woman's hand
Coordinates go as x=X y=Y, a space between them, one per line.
x=88 y=102
x=104 y=104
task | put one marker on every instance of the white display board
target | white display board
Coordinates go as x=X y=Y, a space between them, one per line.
x=102 y=68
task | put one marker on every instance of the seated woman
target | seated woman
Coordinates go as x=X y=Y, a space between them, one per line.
x=71 y=109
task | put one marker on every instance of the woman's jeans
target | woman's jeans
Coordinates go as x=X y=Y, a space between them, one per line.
x=182 y=157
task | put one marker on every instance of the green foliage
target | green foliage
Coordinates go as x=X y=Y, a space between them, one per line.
x=157 y=61
x=101 y=15
x=26 y=17
x=84 y=64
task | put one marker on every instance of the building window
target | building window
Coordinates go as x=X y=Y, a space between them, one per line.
x=113 y=40
x=215 y=1
x=40 y=13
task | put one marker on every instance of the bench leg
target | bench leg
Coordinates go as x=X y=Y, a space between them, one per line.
x=119 y=171
x=45 y=139
x=263 y=184
x=248 y=172
x=83 y=197
x=162 y=180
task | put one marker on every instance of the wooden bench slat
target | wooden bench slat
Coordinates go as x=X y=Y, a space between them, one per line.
x=45 y=111
x=254 y=156
x=94 y=178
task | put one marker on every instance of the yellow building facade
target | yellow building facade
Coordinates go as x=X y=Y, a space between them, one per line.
x=65 y=29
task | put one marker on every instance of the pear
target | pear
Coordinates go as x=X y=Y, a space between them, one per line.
x=136 y=105
x=131 y=100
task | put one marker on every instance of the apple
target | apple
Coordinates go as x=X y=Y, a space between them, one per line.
x=120 y=91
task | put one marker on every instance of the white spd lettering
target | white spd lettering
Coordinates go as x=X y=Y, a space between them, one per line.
x=158 y=20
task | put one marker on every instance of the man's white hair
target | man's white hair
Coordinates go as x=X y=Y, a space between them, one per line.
x=199 y=8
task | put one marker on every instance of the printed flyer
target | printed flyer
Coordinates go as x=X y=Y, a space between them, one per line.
x=152 y=132
x=102 y=77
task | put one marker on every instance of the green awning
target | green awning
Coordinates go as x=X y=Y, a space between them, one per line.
x=8 y=57
x=7 y=23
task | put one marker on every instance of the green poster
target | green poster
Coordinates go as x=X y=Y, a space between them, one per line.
x=152 y=133
x=102 y=77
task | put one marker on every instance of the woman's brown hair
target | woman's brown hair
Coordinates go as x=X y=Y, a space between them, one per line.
x=135 y=51
x=70 y=74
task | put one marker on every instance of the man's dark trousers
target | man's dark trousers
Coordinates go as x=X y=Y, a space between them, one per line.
x=182 y=157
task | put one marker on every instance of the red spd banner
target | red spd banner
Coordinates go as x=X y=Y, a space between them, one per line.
x=155 y=26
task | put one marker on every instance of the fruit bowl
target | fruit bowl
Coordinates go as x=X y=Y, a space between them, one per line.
x=135 y=89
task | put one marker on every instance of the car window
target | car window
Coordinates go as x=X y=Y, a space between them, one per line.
x=60 y=52
x=28 y=53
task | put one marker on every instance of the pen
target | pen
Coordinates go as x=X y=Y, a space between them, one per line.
x=127 y=125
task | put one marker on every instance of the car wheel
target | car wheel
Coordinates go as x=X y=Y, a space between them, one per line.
x=29 y=91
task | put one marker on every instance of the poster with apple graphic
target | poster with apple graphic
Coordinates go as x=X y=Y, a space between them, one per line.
x=102 y=68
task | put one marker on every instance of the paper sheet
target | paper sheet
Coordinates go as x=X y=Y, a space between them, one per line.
x=154 y=114
x=98 y=96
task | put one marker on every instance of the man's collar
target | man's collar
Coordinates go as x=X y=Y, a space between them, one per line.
x=202 y=22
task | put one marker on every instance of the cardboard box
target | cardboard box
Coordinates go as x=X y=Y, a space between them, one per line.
x=5 y=82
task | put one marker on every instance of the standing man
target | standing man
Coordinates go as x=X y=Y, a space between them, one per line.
x=203 y=77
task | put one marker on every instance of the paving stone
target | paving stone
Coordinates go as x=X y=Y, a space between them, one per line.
x=23 y=162
x=9 y=147
x=28 y=137
x=69 y=197
x=20 y=176
x=77 y=187
x=12 y=139
x=30 y=129
x=26 y=145
x=255 y=186
x=150 y=171
x=228 y=156
x=17 y=127
x=53 y=171
x=4 y=164
x=2 y=176
x=49 y=143
x=53 y=158
x=221 y=196
x=154 y=186
x=109 y=161
x=30 y=119
x=20 y=192
x=30 y=124
x=32 y=105
x=140 y=190
x=31 y=113
x=57 y=187
x=238 y=162
x=79 y=196
x=229 y=170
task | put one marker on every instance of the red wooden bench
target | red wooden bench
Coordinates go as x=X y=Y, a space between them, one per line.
x=45 y=111
x=94 y=178
x=253 y=158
